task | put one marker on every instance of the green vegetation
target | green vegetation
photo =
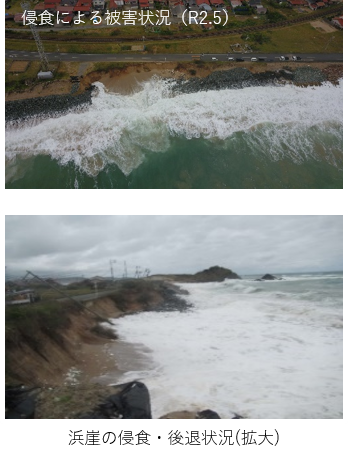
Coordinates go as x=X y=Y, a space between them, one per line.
x=20 y=81
x=66 y=47
x=108 y=66
x=274 y=16
x=302 y=38
x=15 y=7
x=27 y=321
x=258 y=38
x=299 y=39
x=50 y=294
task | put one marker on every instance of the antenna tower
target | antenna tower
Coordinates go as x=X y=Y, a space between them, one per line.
x=43 y=58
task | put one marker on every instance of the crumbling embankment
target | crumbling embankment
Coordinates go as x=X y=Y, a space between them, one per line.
x=44 y=340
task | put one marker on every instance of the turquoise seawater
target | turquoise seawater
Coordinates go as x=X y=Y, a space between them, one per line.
x=269 y=137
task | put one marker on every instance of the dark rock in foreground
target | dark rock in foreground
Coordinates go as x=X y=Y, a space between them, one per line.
x=19 y=402
x=207 y=414
x=131 y=401
x=204 y=414
x=90 y=401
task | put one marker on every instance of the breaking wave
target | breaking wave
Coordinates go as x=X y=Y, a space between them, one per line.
x=279 y=122
x=270 y=351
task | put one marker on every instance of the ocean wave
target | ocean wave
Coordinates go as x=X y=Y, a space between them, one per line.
x=276 y=122
x=232 y=343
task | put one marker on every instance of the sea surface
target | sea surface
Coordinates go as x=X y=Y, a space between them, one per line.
x=257 y=137
x=271 y=349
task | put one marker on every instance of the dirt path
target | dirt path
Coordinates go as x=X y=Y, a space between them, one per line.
x=323 y=26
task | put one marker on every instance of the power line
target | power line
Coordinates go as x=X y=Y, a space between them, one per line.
x=68 y=296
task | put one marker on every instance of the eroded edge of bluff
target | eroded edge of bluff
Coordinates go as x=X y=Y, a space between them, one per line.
x=45 y=339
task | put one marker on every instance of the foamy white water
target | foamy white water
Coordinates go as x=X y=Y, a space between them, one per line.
x=264 y=350
x=118 y=129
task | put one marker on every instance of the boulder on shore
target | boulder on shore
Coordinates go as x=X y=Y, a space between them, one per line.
x=131 y=401
x=90 y=401
x=19 y=402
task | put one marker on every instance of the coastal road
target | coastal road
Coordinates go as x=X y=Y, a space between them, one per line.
x=136 y=57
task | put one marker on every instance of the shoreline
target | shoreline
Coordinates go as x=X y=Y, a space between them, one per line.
x=129 y=78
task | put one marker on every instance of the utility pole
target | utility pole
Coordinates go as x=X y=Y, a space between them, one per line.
x=68 y=296
x=125 y=269
x=112 y=270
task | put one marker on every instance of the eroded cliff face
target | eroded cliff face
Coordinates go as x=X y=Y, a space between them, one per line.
x=45 y=340
x=42 y=354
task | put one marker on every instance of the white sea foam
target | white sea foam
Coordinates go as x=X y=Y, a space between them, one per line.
x=264 y=352
x=278 y=121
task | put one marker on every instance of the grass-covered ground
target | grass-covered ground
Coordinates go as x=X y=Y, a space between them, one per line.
x=299 y=38
x=22 y=80
x=27 y=317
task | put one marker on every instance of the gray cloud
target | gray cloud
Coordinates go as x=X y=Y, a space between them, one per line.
x=173 y=244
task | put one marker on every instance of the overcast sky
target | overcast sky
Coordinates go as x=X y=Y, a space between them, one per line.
x=173 y=244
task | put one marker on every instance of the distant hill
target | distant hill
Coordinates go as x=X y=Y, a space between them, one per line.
x=213 y=274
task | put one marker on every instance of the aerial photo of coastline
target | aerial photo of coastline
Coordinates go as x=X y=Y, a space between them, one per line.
x=183 y=94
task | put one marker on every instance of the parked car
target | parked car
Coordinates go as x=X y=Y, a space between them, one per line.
x=262 y=59
x=231 y=58
x=282 y=57
x=213 y=58
x=239 y=60
x=253 y=59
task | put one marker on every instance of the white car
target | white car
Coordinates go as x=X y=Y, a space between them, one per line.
x=282 y=58
x=213 y=58
x=294 y=57
x=231 y=58
x=253 y=59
